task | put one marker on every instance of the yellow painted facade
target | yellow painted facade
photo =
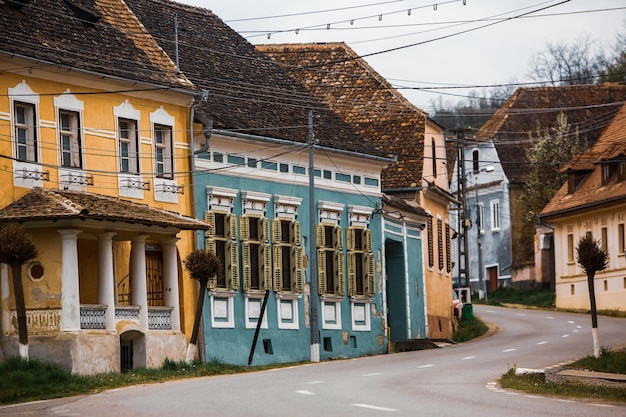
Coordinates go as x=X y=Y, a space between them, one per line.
x=97 y=103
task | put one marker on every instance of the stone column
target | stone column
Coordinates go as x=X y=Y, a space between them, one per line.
x=139 y=290
x=170 y=280
x=70 y=294
x=106 y=279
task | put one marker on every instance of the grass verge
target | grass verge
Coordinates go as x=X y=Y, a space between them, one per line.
x=541 y=298
x=32 y=380
x=614 y=362
x=469 y=329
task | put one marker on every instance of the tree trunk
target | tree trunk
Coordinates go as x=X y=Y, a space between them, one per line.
x=20 y=307
x=192 y=348
x=594 y=313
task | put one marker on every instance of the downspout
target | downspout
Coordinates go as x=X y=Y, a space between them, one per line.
x=426 y=326
x=407 y=288
x=383 y=263
x=194 y=212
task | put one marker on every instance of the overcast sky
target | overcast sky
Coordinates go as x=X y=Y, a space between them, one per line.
x=447 y=43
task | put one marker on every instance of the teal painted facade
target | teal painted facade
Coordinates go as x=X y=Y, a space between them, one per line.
x=348 y=326
x=405 y=292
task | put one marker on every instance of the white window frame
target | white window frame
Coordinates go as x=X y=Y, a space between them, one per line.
x=495 y=215
x=481 y=216
x=163 y=151
x=128 y=146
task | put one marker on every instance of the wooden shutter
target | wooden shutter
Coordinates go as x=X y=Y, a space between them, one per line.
x=319 y=241
x=244 y=228
x=341 y=290
x=321 y=271
x=234 y=265
x=295 y=236
x=351 y=272
x=209 y=243
x=245 y=264
x=368 y=241
x=232 y=227
x=338 y=238
x=299 y=275
x=350 y=238
x=276 y=235
x=278 y=272
x=370 y=291
x=266 y=255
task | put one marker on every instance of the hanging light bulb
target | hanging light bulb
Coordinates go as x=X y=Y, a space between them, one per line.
x=435 y=6
x=409 y=12
x=328 y=26
x=351 y=22
x=380 y=17
x=464 y=1
x=269 y=35
x=297 y=31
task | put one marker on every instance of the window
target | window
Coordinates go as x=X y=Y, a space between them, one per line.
x=480 y=218
x=495 y=215
x=128 y=146
x=570 y=248
x=475 y=160
x=361 y=278
x=434 y=157
x=448 y=249
x=288 y=256
x=620 y=239
x=70 y=141
x=440 y=244
x=25 y=133
x=608 y=171
x=163 y=151
x=330 y=260
x=604 y=239
x=621 y=170
x=431 y=249
x=255 y=253
x=220 y=239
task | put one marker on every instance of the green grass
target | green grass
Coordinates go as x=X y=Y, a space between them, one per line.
x=469 y=329
x=542 y=298
x=32 y=380
x=614 y=362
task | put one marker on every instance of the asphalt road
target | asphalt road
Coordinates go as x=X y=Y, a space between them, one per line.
x=457 y=380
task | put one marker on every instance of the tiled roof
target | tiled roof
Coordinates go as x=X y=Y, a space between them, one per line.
x=247 y=92
x=41 y=204
x=362 y=98
x=589 y=108
x=402 y=204
x=611 y=145
x=101 y=36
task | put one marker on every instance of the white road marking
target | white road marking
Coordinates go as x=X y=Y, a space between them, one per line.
x=542 y=343
x=374 y=374
x=426 y=366
x=374 y=407
x=508 y=350
x=579 y=327
x=468 y=357
x=549 y=318
x=565 y=335
x=490 y=311
x=304 y=392
x=315 y=382
x=571 y=322
x=520 y=314
x=602 y=405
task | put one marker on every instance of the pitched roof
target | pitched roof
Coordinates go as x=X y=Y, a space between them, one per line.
x=589 y=108
x=99 y=36
x=43 y=204
x=334 y=73
x=610 y=146
x=247 y=92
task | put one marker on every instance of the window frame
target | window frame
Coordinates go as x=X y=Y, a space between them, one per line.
x=288 y=256
x=495 y=215
x=73 y=134
x=163 y=150
x=256 y=260
x=333 y=251
x=230 y=256
x=131 y=155
x=29 y=127
x=361 y=272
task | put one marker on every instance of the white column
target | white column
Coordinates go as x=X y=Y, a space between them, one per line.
x=4 y=298
x=106 y=280
x=70 y=295
x=139 y=290
x=170 y=281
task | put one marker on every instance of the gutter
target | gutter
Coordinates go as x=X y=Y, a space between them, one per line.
x=302 y=145
x=579 y=208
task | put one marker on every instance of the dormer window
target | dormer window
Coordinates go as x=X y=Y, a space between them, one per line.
x=621 y=171
x=573 y=181
x=608 y=171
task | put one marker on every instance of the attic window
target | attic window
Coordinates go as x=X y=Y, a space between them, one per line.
x=86 y=16
x=608 y=171
x=573 y=181
x=621 y=171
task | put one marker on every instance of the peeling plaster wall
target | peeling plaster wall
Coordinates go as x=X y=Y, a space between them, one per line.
x=162 y=346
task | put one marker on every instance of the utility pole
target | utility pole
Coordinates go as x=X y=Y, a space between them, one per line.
x=315 y=333
x=463 y=215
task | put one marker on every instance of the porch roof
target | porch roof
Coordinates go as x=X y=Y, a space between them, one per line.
x=42 y=204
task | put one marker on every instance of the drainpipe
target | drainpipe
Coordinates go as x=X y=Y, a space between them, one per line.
x=407 y=287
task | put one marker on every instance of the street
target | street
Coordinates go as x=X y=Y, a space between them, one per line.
x=457 y=380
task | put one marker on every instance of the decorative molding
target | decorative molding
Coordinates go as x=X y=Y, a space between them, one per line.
x=359 y=215
x=254 y=203
x=220 y=199
x=286 y=206
x=329 y=212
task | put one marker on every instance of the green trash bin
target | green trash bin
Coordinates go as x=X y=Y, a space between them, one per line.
x=468 y=311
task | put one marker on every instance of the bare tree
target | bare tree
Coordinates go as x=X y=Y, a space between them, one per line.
x=563 y=64
x=592 y=258
x=202 y=265
x=17 y=248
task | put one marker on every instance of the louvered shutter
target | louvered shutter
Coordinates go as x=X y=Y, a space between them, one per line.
x=244 y=228
x=234 y=264
x=278 y=272
x=320 y=243
x=245 y=264
x=338 y=238
x=351 y=273
x=295 y=236
x=350 y=238
x=276 y=234
x=370 y=291
x=266 y=255
x=265 y=230
x=209 y=217
x=321 y=271
x=209 y=246
x=341 y=290
x=368 y=241
x=299 y=275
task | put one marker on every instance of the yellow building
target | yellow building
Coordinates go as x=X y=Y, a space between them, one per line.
x=95 y=165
